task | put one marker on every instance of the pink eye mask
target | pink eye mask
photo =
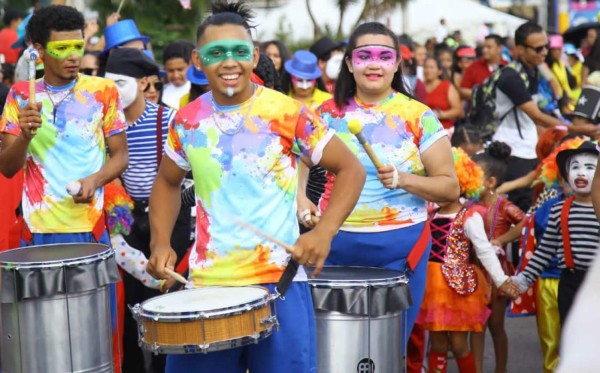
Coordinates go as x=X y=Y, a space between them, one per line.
x=374 y=54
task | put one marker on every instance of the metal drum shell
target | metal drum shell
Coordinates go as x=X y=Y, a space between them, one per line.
x=40 y=337
x=352 y=334
x=65 y=324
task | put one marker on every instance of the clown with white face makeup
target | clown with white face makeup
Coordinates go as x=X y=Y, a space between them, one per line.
x=573 y=231
x=302 y=80
x=147 y=127
x=581 y=172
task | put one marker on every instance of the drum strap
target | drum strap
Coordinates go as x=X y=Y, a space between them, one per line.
x=287 y=277
x=420 y=247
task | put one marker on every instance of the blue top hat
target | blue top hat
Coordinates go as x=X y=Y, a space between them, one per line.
x=303 y=65
x=122 y=32
x=196 y=76
x=20 y=43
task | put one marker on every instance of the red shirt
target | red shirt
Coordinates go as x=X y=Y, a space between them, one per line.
x=437 y=99
x=7 y=38
x=10 y=227
x=476 y=73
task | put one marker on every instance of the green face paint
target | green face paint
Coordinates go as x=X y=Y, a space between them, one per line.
x=65 y=48
x=222 y=50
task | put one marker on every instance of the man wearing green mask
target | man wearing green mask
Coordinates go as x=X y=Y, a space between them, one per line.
x=61 y=139
x=242 y=143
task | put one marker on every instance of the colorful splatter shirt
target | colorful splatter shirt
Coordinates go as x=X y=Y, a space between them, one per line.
x=399 y=130
x=243 y=159
x=69 y=146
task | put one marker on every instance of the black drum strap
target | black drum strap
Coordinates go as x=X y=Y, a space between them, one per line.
x=287 y=277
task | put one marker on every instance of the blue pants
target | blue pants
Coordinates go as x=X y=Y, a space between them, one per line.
x=385 y=250
x=291 y=349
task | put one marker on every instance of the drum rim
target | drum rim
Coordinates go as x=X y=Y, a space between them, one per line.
x=168 y=316
x=399 y=280
x=210 y=347
x=103 y=255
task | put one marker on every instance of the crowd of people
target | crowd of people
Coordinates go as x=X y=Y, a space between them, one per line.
x=481 y=192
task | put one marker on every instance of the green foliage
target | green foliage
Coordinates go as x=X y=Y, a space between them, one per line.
x=163 y=20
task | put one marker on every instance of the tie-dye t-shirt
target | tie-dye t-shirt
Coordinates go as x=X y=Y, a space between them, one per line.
x=244 y=159
x=399 y=130
x=70 y=148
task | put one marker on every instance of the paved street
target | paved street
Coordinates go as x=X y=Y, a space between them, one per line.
x=525 y=355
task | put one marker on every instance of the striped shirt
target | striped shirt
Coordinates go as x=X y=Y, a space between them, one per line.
x=584 y=230
x=142 y=142
x=315 y=186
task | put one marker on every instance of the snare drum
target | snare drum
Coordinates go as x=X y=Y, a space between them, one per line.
x=359 y=318
x=205 y=319
x=55 y=308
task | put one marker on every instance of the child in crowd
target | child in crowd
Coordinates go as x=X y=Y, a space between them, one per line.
x=469 y=139
x=456 y=294
x=541 y=299
x=503 y=223
x=573 y=231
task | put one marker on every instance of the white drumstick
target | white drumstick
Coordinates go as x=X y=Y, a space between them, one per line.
x=265 y=235
x=120 y=6
x=32 y=56
x=176 y=276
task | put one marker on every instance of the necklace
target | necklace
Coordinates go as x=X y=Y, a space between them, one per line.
x=48 y=88
x=228 y=129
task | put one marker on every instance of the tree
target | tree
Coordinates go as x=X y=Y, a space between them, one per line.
x=316 y=28
x=373 y=9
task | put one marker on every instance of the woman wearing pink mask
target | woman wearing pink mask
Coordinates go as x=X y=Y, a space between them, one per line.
x=388 y=226
x=302 y=80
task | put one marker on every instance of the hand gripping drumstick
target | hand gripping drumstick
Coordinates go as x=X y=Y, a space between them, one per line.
x=265 y=235
x=32 y=60
x=356 y=128
x=176 y=276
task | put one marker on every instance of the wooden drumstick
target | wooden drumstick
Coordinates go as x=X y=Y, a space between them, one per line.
x=265 y=235
x=356 y=128
x=176 y=276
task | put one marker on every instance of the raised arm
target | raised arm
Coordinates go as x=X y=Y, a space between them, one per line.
x=440 y=184
x=13 y=152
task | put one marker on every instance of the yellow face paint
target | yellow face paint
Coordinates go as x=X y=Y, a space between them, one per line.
x=65 y=48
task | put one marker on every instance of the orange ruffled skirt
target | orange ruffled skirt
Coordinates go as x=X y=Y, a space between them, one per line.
x=445 y=310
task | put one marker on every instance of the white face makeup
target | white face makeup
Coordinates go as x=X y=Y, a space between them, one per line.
x=303 y=83
x=127 y=87
x=581 y=169
x=333 y=66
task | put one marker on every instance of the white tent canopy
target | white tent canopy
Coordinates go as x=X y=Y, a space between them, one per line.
x=423 y=18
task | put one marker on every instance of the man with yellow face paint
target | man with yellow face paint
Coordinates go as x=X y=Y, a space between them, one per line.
x=62 y=137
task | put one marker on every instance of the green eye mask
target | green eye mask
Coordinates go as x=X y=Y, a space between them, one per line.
x=65 y=48
x=222 y=50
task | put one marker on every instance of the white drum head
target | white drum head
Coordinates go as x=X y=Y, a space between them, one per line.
x=204 y=299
